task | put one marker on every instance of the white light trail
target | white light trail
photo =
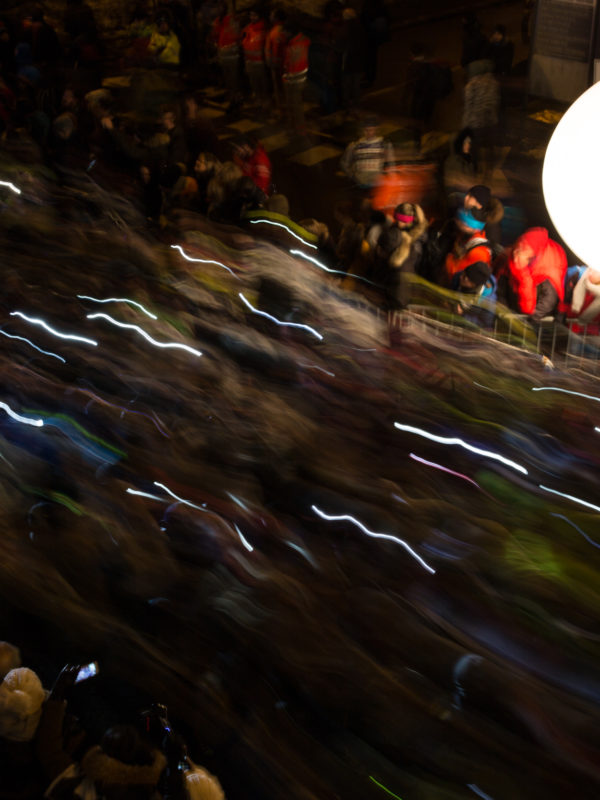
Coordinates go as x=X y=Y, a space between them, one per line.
x=375 y=535
x=45 y=326
x=180 y=499
x=37 y=423
x=137 y=329
x=316 y=366
x=278 y=321
x=564 y=391
x=243 y=540
x=454 y=440
x=11 y=186
x=328 y=269
x=39 y=349
x=570 y=497
x=203 y=260
x=285 y=227
x=137 y=493
x=119 y=300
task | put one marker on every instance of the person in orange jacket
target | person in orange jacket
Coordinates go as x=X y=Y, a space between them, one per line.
x=295 y=72
x=227 y=37
x=537 y=268
x=253 y=47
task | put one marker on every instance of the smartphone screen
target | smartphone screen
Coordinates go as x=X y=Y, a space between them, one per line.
x=87 y=671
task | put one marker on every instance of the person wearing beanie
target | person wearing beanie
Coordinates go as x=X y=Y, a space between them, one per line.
x=537 y=267
x=478 y=286
x=10 y=658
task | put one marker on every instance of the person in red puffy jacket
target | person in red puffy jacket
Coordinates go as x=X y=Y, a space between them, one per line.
x=537 y=267
x=251 y=157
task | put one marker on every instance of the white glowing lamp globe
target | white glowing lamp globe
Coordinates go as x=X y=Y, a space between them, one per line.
x=571 y=177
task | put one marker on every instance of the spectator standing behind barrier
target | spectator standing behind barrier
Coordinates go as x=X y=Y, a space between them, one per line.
x=480 y=113
x=275 y=43
x=164 y=45
x=479 y=286
x=227 y=36
x=295 y=71
x=400 y=248
x=365 y=159
x=536 y=273
x=253 y=46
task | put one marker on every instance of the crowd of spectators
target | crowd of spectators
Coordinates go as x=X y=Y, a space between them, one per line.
x=55 y=93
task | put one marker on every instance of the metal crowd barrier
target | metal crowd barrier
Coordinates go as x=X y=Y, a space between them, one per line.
x=568 y=345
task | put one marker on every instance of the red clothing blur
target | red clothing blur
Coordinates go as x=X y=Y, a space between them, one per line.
x=258 y=167
x=226 y=32
x=253 y=42
x=549 y=263
x=275 y=47
x=295 y=58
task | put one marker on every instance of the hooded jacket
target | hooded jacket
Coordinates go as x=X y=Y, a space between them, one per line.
x=548 y=264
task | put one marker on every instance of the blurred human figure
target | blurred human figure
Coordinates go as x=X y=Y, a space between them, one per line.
x=474 y=41
x=365 y=159
x=253 y=161
x=398 y=250
x=536 y=271
x=295 y=71
x=478 y=286
x=501 y=51
x=353 y=46
x=376 y=23
x=459 y=168
x=275 y=43
x=164 y=46
x=253 y=47
x=227 y=36
x=480 y=112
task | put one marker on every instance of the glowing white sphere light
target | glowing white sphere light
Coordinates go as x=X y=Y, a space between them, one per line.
x=571 y=177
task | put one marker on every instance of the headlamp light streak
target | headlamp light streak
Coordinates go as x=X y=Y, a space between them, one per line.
x=119 y=300
x=570 y=497
x=137 y=493
x=577 y=528
x=179 y=499
x=316 y=366
x=10 y=186
x=564 y=391
x=389 y=537
x=45 y=326
x=285 y=227
x=39 y=349
x=37 y=423
x=137 y=329
x=444 y=469
x=203 y=260
x=334 y=271
x=454 y=440
x=474 y=788
x=278 y=321
x=243 y=540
